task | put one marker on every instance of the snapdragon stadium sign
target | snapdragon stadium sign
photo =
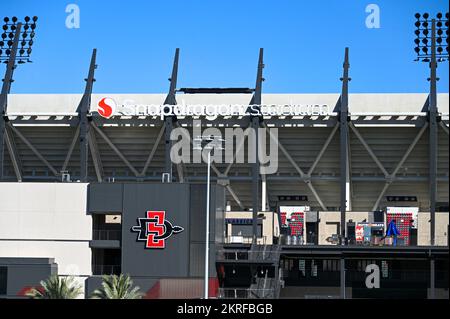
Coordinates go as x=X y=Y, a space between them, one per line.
x=108 y=107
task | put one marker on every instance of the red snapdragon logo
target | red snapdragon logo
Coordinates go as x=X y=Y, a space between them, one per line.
x=106 y=107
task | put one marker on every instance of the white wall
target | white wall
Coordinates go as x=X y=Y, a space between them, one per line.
x=47 y=220
x=326 y=230
x=441 y=228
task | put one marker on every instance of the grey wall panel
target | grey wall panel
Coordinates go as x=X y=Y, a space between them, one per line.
x=105 y=197
x=219 y=213
x=26 y=272
x=198 y=207
x=173 y=260
x=197 y=216
x=197 y=260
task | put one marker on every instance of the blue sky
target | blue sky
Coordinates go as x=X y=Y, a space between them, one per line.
x=304 y=45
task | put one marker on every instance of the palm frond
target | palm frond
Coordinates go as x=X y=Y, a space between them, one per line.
x=117 y=287
x=56 y=287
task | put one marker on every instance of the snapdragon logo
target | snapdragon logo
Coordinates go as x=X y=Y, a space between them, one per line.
x=106 y=107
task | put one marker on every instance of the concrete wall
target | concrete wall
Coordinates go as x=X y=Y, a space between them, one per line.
x=47 y=220
x=441 y=229
x=326 y=230
x=24 y=273
x=269 y=227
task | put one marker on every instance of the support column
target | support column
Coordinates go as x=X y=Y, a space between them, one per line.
x=255 y=124
x=344 y=119
x=432 y=279
x=168 y=167
x=83 y=111
x=170 y=101
x=263 y=193
x=6 y=88
x=342 y=277
x=432 y=118
x=348 y=186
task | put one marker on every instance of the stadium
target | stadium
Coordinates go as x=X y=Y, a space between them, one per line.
x=89 y=189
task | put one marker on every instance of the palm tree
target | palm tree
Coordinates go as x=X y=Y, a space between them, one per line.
x=117 y=287
x=56 y=288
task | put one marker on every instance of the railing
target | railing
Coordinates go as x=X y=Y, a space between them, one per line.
x=245 y=293
x=107 y=234
x=106 y=269
x=264 y=254
x=244 y=240
x=292 y=240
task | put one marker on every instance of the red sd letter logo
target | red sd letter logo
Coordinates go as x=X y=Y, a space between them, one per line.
x=106 y=107
x=154 y=229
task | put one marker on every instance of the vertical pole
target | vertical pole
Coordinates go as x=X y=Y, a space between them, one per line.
x=6 y=87
x=255 y=181
x=255 y=123
x=343 y=119
x=168 y=167
x=83 y=111
x=432 y=114
x=170 y=101
x=263 y=193
x=432 y=279
x=207 y=228
x=342 y=268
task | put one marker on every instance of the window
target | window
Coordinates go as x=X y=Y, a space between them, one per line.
x=3 y=280
x=331 y=265
x=384 y=269
x=313 y=268
x=302 y=267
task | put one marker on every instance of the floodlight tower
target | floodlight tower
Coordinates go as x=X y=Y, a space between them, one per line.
x=431 y=37
x=15 y=46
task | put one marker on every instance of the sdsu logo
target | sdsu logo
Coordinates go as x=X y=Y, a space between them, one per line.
x=106 y=107
x=155 y=229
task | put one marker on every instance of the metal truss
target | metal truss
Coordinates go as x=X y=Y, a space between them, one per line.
x=388 y=177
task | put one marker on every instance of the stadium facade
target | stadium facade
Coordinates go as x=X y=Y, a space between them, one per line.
x=88 y=190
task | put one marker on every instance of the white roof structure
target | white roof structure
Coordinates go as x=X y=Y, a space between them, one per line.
x=388 y=145
x=370 y=103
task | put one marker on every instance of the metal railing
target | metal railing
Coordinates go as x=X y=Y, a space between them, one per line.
x=251 y=255
x=244 y=240
x=245 y=293
x=292 y=240
x=105 y=269
x=107 y=234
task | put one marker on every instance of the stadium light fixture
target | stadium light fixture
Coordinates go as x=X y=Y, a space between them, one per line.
x=431 y=37
x=10 y=53
x=17 y=39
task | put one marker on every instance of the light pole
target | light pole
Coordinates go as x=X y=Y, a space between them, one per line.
x=432 y=47
x=15 y=45
x=207 y=143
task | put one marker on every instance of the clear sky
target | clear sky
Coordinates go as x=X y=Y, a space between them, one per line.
x=304 y=45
